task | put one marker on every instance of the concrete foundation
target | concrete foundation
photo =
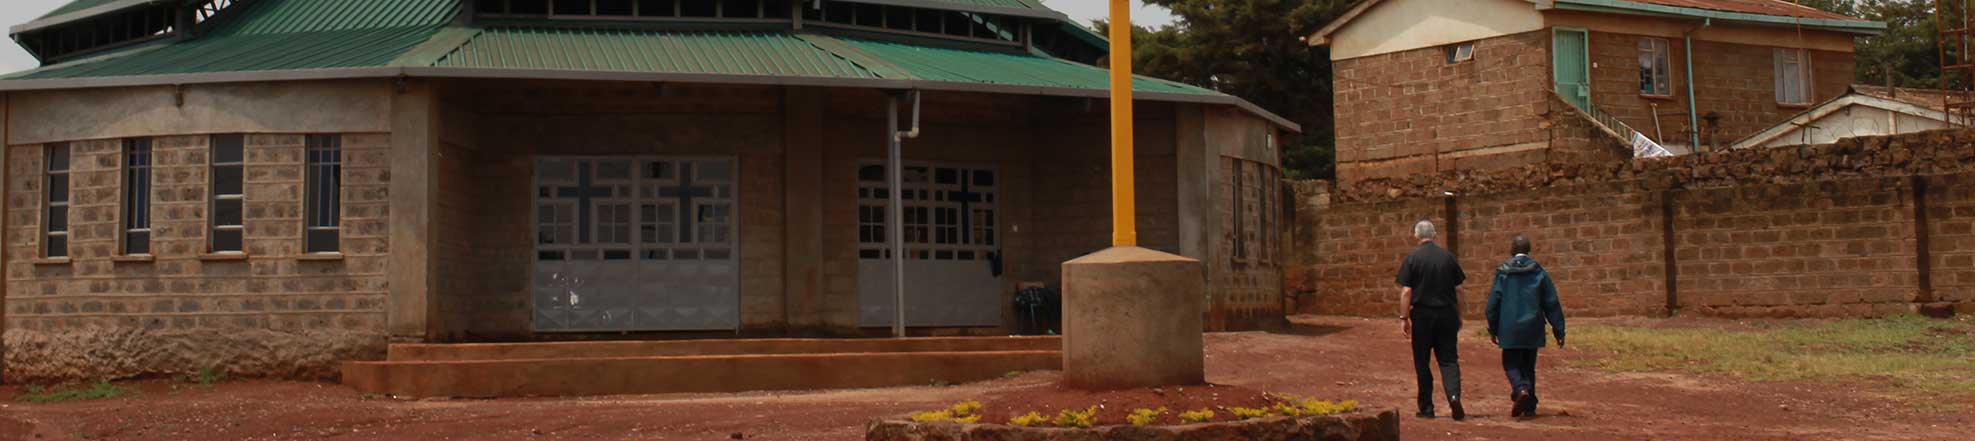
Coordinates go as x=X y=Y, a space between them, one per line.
x=1132 y=318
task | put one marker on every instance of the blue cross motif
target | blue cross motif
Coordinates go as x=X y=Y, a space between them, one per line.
x=967 y=198
x=583 y=192
x=685 y=191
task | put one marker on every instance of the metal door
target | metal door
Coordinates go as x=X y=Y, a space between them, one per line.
x=952 y=243
x=635 y=244
x=1570 y=64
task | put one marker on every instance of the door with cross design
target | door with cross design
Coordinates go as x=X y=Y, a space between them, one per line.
x=635 y=244
x=952 y=246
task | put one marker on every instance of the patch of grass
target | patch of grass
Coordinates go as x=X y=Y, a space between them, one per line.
x=99 y=391
x=1914 y=357
x=206 y=377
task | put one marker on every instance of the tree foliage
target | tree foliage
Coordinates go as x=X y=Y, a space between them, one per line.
x=1253 y=49
x=1907 y=52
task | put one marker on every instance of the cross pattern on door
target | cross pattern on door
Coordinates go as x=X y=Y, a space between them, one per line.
x=683 y=209
x=949 y=211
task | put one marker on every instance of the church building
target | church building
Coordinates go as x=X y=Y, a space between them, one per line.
x=267 y=187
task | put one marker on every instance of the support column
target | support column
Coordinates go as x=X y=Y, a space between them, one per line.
x=409 y=312
x=802 y=205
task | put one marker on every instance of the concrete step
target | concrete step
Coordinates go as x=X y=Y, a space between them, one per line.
x=690 y=373
x=650 y=367
x=623 y=349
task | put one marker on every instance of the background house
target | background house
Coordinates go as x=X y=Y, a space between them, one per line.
x=1866 y=111
x=1424 y=86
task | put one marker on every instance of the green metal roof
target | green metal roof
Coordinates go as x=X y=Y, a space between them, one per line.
x=278 y=35
x=287 y=16
x=778 y=53
x=1003 y=68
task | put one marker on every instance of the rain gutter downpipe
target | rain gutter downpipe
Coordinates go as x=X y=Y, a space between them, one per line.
x=1693 y=119
x=896 y=171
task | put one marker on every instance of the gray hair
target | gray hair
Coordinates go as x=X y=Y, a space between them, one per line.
x=1423 y=230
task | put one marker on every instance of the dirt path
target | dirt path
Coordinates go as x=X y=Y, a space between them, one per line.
x=1331 y=358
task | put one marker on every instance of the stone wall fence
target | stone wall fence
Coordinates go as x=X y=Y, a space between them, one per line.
x=1863 y=227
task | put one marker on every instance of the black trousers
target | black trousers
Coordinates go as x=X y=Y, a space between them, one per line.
x=1436 y=336
x=1520 y=365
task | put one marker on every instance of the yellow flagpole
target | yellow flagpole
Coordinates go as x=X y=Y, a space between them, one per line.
x=1124 y=209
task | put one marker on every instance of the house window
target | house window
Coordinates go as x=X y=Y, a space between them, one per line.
x=55 y=224
x=1460 y=52
x=949 y=211
x=137 y=196
x=1653 y=72
x=1238 y=181
x=228 y=174
x=1793 y=81
x=323 y=203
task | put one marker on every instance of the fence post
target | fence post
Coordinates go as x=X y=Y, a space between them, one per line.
x=1670 y=243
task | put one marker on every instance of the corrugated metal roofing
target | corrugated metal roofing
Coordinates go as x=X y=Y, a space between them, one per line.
x=692 y=52
x=996 y=3
x=1765 y=7
x=280 y=35
x=288 y=16
x=1005 y=68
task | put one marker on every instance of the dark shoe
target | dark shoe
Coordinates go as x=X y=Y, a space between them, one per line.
x=1521 y=400
x=1525 y=405
x=1459 y=413
x=1426 y=414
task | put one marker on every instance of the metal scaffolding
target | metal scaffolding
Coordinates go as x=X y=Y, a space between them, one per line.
x=1955 y=21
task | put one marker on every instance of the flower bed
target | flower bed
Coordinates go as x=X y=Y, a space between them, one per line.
x=1277 y=417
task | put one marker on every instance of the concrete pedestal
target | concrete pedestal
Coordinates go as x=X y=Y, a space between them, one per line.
x=1132 y=318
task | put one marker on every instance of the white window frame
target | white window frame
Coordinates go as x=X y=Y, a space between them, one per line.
x=48 y=203
x=313 y=217
x=212 y=204
x=976 y=238
x=135 y=219
x=1458 y=53
x=1656 y=56
x=1801 y=66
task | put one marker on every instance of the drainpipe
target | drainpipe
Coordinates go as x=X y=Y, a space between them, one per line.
x=1693 y=118
x=897 y=229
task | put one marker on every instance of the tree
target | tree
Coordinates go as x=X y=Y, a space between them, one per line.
x=1908 y=51
x=1253 y=49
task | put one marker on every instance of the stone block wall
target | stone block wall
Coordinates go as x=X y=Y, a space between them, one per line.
x=1411 y=112
x=1831 y=230
x=102 y=315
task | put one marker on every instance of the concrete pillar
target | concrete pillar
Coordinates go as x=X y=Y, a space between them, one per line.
x=1131 y=319
x=409 y=313
x=802 y=204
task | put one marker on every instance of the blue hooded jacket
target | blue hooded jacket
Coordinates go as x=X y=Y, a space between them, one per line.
x=1522 y=299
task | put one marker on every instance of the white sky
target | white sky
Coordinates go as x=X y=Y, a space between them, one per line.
x=14 y=12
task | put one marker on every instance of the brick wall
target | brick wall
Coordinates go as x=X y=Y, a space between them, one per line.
x=1410 y=112
x=100 y=316
x=1736 y=82
x=1813 y=231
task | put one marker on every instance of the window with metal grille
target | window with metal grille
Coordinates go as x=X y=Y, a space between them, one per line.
x=949 y=211
x=229 y=162
x=55 y=223
x=324 y=201
x=137 y=196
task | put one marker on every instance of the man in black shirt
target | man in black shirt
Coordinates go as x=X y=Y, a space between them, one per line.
x=1430 y=314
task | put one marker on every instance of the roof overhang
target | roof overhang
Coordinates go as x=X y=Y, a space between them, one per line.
x=83 y=14
x=1322 y=37
x=969 y=7
x=1623 y=7
x=1833 y=106
x=591 y=75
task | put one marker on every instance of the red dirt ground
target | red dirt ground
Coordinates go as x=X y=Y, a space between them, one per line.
x=1325 y=358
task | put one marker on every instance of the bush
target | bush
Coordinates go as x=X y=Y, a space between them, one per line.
x=1031 y=419
x=1081 y=420
x=1197 y=416
x=1144 y=417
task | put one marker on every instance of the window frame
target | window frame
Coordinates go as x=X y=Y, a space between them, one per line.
x=214 y=198
x=312 y=208
x=48 y=203
x=1458 y=53
x=1662 y=69
x=131 y=218
x=1237 y=179
x=1806 y=81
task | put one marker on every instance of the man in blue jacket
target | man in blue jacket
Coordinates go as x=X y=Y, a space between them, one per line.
x=1522 y=300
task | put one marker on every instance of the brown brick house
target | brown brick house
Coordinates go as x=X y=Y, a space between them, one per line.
x=266 y=186
x=1435 y=85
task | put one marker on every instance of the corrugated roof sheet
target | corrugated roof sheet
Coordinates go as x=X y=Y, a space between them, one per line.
x=280 y=35
x=693 y=52
x=996 y=3
x=1005 y=68
x=1765 y=7
x=1935 y=99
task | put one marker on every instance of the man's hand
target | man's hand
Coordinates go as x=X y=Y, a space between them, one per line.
x=1406 y=326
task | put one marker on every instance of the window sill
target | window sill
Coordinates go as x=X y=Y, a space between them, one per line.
x=320 y=257
x=223 y=257
x=133 y=258
x=1656 y=97
x=50 y=261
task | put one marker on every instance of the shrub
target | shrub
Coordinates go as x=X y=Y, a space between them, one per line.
x=1081 y=420
x=1294 y=406
x=1197 y=416
x=965 y=412
x=1030 y=419
x=1142 y=417
x=933 y=416
x=966 y=408
x=1249 y=413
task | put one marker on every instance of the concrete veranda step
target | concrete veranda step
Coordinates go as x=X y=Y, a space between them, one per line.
x=618 y=349
x=693 y=373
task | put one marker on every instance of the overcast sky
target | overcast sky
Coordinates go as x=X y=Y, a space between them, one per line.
x=14 y=12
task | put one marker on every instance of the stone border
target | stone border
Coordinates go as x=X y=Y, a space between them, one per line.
x=1363 y=425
